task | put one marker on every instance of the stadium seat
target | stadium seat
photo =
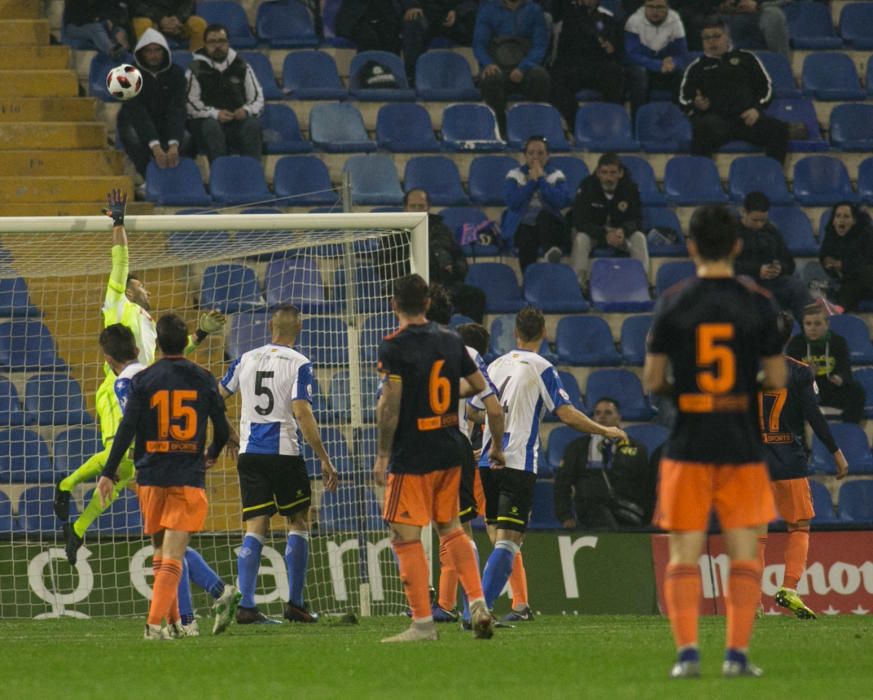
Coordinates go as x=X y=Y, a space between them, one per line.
x=11 y=410
x=822 y=181
x=758 y=174
x=857 y=336
x=55 y=399
x=373 y=329
x=372 y=295
x=692 y=180
x=458 y=320
x=35 y=513
x=456 y=217
x=182 y=58
x=644 y=177
x=8 y=522
x=856 y=25
x=831 y=76
x=312 y=75
x=246 y=331
x=856 y=501
x=302 y=181
x=24 y=458
x=123 y=517
x=585 y=341
x=404 y=127
x=559 y=440
x=281 y=131
x=101 y=64
x=230 y=288
x=325 y=341
x=571 y=386
x=296 y=281
x=852 y=440
x=574 y=170
x=602 y=126
x=235 y=180
x=793 y=224
x=444 y=76
x=553 y=288
x=498 y=281
x=810 y=26
x=851 y=127
x=661 y=127
x=865 y=181
x=285 y=25
x=341 y=401
x=865 y=377
x=624 y=387
x=503 y=339
x=390 y=61
x=27 y=346
x=470 y=127
x=439 y=177
x=263 y=70
x=233 y=17
x=672 y=273
x=181 y=186
x=619 y=285
x=338 y=128
x=664 y=220
x=72 y=447
x=651 y=435
x=337 y=447
x=528 y=119
x=542 y=515
x=486 y=179
x=781 y=76
x=329 y=10
x=803 y=111
x=868 y=77
x=634 y=330
x=822 y=503
x=373 y=180
x=15 y=299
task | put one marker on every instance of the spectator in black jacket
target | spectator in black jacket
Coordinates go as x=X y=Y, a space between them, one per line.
x=373 y=25
x=847 y=254
x=102 y=23
x=174 y=19
x=426 y=19
x=601 y=484
x=152 y=125
x=765 y=257
x=607 y=214
x=589 y=53
x=725 y=92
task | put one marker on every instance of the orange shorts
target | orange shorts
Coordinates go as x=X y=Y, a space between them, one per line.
x=793 y=499
x=172 y=508
x=688 y=491
x=479 y=493
x=418 y=499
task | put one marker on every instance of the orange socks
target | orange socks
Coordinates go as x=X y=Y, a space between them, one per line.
x=518 y=583
x=682 y=595
x=414 y=575
x=744 y=593
x=168 y=572
x=448 y=581
x=459 y=552
x=796 y=550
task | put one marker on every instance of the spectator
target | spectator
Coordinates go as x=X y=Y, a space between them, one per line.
x=175 y=19
x=693 y=14
x=765 y=257
x=373 y=25
x=102 y=23
x=656 y=51
x=588 y=56
x=535 y=194
x=847 y=254
x=725 y=92
x=448 y=267
x=827 y=355
x=224 y=99
x=153 y=124
x=758 y=24
x=603 y=484
x=607 y=213
x=426 y=19
x=510 y=42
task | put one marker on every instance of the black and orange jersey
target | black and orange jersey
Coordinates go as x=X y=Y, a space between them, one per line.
x=429 y=360
x=782 y=414
x=168 y=409
x=715 y=332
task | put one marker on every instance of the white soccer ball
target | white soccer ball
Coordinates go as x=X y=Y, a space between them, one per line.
x=124 y=82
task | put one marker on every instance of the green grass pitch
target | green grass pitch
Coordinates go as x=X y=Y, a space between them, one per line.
x=551 y=657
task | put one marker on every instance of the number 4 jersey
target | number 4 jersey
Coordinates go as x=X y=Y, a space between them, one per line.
x=715 y=332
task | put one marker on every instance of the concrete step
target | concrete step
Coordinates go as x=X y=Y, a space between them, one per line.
x=24 y=32
x=34 y=57
x=68 y=208
x=52 y=135
x=48 y=109
x=61 y=163
x=19 y=9
x=38 y=83
x=61 y=189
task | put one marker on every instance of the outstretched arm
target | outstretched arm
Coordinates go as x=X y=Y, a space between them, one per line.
x=303 y=415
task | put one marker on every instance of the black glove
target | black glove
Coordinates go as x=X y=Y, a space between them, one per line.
x=116 y=204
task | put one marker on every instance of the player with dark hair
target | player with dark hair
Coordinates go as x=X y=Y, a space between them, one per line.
x=168 y=409
x=716 y=331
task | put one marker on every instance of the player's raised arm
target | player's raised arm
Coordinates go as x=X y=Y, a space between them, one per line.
x=494 y=416
x=116 y=204
x=306 y=421
x=387 y=418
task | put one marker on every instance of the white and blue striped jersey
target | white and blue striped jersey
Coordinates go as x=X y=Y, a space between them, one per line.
x=121 y=385
x=269 y=378
x=481 y=396
x=527 y=385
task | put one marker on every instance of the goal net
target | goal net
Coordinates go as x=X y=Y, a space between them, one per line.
x=338 y=269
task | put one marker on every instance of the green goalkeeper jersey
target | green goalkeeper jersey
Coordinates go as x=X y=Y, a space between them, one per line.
x=117 y=308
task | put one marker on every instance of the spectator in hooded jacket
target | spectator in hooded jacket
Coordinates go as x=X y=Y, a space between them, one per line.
x=175 y=19
x=847 y=254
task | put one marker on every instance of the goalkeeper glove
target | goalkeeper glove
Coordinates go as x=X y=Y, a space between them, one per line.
x=211 y=322
x=117 y=202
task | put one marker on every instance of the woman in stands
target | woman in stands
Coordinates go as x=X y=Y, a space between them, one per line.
x=847 y=254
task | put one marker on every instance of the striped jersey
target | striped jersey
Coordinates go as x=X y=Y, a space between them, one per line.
x=481 y=396
x=269 y=378
x=112 y=399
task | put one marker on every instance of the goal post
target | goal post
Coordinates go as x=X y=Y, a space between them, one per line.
x=337 y=268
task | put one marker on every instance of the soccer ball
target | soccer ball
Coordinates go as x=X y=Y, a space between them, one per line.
x=124 y=82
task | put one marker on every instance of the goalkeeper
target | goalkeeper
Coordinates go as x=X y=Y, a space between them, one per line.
x=126 y=303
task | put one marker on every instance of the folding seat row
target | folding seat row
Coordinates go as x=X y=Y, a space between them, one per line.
x=36 y=516
x=810 y=25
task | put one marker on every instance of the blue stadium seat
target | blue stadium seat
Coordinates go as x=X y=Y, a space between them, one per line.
x=672 y=273
x=810 y=26
x=230 y=288
x=439 y=177
x=404 y=127
x=571 y=386
x=542 y=515
x=235 y=180
x=181 y=186
x=281 y=131
x=303 y=180
x=338 y=449
x=27 y=346
x=233 y=17
x=692 y=180
x=852 y=440
x=444 y=76
x=312 y=75
x=624 y=387
x=851 y=127
x=470 y=127
x=619 y=285
x=856 y=25
x=758 y=174
x=373 y=329
x=822 y=503
x=72 y=447
x=831 y=76
x=856 y=501
x=182 y=58
x=456 y=217
x=868 y=77
x=285 y=25
x=651 y=435
x=24 y=458
x=325 y=341
x=865 y=377
x=585 y=341
x=574 y=170
x=458 y=320
x=390 y=61
x=54 y=399
x=123 y=517
x=497 y=280
x=352 y=508
x=35 y=513
x=15 y=299
x=340 y=396
x=503 y=339
x=373 y=180
x=263 y=70
x=781 y=76
x=661 y=127
x=822 y=181
x=865 y=181
x=372 y=295
x=11 y=410
x=793 y=224
x=634 y=330
x=535 y=119
x=329 y=10
x=8 y=522
x=101 y=64
x=559 y=439
x=857 y=336
x=296 y=281
x=664 y=219
x=800 y=110
x=602 y=126
x=338 y=128
x=246 y=331
x=486 y=179
x=644 y=177
x=553 y=288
